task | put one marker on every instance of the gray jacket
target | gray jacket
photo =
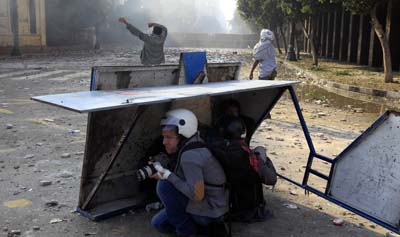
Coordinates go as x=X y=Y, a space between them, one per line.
x=153 y=47
x=199 y=165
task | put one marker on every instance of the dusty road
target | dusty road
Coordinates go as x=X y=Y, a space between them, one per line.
x=40 y=159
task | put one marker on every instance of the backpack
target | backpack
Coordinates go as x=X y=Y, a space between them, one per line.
x=246 y=199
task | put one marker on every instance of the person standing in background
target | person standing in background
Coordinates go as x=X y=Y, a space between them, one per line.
x=153 y=47
x=264 y=55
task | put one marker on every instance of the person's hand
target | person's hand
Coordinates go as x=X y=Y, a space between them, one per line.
x=123 y=20
x=162 y=172
x=251 y=76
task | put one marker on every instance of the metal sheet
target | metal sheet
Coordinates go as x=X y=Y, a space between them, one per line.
x=106 y=100
x=366 y=174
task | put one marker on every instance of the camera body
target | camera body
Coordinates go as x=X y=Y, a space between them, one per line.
x=149 y=170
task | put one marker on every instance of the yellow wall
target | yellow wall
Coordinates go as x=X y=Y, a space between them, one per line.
x=26 y=38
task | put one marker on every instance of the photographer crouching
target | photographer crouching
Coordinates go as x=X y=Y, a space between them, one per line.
x=193 y=193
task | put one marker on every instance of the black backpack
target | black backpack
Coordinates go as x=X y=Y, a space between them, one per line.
x=246 y=199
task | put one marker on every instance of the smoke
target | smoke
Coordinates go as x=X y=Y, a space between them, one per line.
x=77 y=22
x=185 y=16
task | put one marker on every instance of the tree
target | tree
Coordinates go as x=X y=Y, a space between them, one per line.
x=264 y=13
x=369 y=7
x=299 y=11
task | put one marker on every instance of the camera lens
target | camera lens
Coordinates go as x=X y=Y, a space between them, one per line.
x=145 y=172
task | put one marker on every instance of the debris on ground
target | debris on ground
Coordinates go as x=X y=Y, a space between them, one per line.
x=338 y=221
x=65 y=155
x=55 y=220
x=44 y=183
x=290 y=206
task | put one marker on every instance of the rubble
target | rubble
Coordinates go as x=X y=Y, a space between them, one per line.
x=290 y=206
x=44 y=183
x=51 y=203
x=65 y=155
x=65 y=174
x=55 y=220
x=9 y=126
x=14 y=233
x=30 y=156
x=338 y=221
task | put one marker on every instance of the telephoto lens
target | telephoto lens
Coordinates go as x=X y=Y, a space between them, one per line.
x=145 y=172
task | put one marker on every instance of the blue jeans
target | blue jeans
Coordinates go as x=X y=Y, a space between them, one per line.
x=174 y=218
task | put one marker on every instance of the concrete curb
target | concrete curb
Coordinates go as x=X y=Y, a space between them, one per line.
x=394 y=95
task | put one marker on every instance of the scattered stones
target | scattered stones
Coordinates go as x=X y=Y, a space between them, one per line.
x=74 y=131
x=79 y=153
x=273 y=153
x=14 y=233
x=338 y=221
x=279 y=139
x=318 y=207
x=5 y=229
x=321 y=114
x=389 y=234
x=270 y=138
x=65 y=155
x=44 y=183
x=9 y=126
x=293 y=193
x=48 y=120
x=65 y=174
x=55 y=220
x=52 y=203
x=283 y=168
x=30 y=156
x=90 y=233
x=290 y=206
x=358 y=110
x=16 y=167
x=36 y=228
x=318 y=102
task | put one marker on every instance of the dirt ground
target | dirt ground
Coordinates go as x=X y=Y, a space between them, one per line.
x=41 y=159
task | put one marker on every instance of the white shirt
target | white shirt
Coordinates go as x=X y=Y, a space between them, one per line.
x=264 y=52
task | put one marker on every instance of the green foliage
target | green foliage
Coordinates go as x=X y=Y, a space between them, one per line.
x=317 y=69
x=343 y=73
x=264 y=13
x=362 y=7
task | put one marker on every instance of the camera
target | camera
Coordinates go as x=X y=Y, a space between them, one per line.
x=145 y=172
x=149 y=170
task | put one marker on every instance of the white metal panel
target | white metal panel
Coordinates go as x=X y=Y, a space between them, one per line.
x=367 y=177
x=91 y=101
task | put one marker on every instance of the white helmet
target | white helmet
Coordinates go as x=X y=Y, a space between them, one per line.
x=266 y=34
x=184 y=119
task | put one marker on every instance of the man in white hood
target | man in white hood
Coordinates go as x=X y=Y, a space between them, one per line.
x=264 y=55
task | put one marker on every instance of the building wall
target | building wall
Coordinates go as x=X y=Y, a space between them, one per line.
x=31 y=23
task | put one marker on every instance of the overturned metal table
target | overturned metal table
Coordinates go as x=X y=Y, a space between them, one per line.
x=364 y=178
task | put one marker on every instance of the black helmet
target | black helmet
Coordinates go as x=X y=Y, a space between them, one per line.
x=233 y=128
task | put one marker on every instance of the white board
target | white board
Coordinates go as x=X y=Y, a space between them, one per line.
x=367 y=176
x=90 y=101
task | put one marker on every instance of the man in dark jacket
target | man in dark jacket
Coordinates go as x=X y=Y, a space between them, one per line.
x=153 y=47
x=193 y=193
